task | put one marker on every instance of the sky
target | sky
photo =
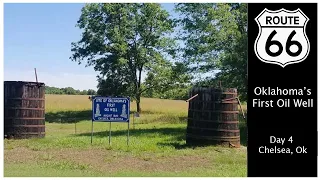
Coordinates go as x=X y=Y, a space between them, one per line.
x=39 y=36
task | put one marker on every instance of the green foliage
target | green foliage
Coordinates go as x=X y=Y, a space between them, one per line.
x=68 y=91
x=91 y=92
x=121 y=41
x=215 y=37
x=178 y=93
x=53 y=90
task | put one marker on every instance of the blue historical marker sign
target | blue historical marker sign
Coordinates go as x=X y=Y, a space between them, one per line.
x=110 y=109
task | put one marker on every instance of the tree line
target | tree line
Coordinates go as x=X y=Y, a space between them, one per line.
x=176 y=94
x=68 y=91
x=121 y=41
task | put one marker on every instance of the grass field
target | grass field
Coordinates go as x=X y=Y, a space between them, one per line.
x=156 y=146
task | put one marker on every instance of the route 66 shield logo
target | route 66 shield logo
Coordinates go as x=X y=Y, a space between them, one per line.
x=282 y=38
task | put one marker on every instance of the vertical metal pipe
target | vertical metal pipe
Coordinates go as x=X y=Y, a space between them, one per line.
x=35 y=72
x=91 y=130
x=133 y=120
x=75 y=126
x=109 y=133
x=128 y=133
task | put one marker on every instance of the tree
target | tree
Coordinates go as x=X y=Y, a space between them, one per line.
x=121 y=41
x=84 y=92
x=53 y=90
x=69 y=90
x=215 y=37
x=91 y=92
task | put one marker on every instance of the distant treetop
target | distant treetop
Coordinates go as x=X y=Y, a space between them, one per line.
x=69 y=91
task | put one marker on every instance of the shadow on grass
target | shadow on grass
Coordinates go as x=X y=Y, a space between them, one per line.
x=68 y=116
x=177 y=132
x=149 y=112
x=177 y=145
x=161 y=118
x=178 y=139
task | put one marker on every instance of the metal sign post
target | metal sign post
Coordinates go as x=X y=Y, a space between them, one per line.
x=75 y=126
x=110 y=134
x=135 y=115
x=110 y=109
x=133 y=120
x=128 y=134
x=91 y=130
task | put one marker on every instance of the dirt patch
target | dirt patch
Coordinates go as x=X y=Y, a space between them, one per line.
x=108 y=160
x=111 y=161
x=177 y=163
x=20 y=155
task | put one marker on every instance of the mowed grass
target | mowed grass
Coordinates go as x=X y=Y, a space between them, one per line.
x=156 y=145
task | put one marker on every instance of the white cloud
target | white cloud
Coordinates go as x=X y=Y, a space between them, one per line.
x=77 y=81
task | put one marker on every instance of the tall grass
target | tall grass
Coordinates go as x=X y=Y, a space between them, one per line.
x=56 y=103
